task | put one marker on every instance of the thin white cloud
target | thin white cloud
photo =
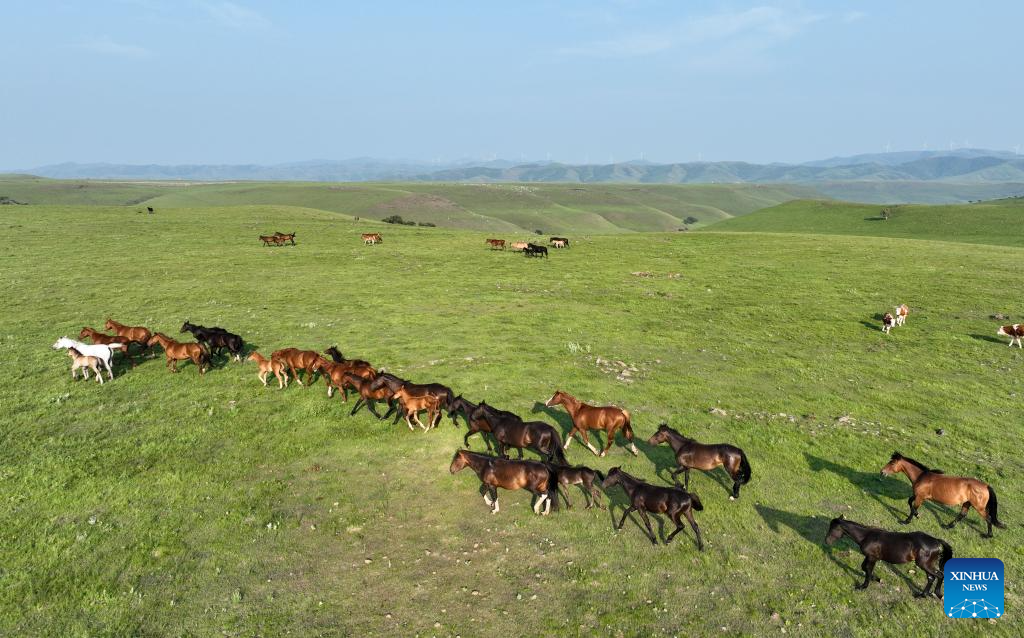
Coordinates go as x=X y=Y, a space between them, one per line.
x=853 y=16
x=103 y=44
x=236 y=16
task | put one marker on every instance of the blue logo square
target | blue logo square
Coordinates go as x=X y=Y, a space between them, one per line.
x=973 y=588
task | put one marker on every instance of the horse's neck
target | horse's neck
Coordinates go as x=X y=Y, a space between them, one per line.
x=912 y=471
x=854 y=530
x=477 y=462
x=628 y=482
x=677 y=442
x=572 y=404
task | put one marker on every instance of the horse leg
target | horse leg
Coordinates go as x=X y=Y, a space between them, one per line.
x=933 y=576
x=595 y=494
x=280 y=381
x=647 y=523
x=358 y=404
x=688 y=512
x=677 y=518
x=959 y=517
x=540 y=502
x=624 y=515
x=295 y=374
x=372 y=408
x=686 y=478
x=913 y=510
x=568 y=439
x=868 y=566
x=110 y=372
x=608 y=444
x=494 y=496
x=565 y=496
x=586 y=441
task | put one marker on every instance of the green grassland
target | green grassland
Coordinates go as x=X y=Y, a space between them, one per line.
x=163 y=504
x=996 y=222
x=553 y=208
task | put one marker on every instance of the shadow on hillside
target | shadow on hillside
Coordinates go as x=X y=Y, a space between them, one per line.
x=556 y=414
x=989 y=338
x=871 y=483
x=874 y=219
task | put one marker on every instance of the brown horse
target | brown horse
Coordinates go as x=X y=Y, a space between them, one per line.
x=691 y=454
x=334 y=374
x=176 y=351
x=298 y=360
x=934 y=485
x=284 y=237
x=370 y=239
x=121 y=343
x=496 y=244
x=493 y=472
x=644 y=497
x=266 y=366
x=588 y=417
x=584 y=477
x=356 y=366
x=876 y=544
x=367 y=396
x=413 y=404
x=140 y=334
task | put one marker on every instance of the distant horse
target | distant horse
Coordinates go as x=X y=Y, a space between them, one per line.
x=519 y=246
x=367 y=396
x=934 y=485
x=876 y=544
x=888 y=321
x=285 y=237
x=691 y=454
x=297 y=360
x=369 y=239
x=103 y=352
x=86 y=363
x=266 y=366
x=139 y=334
x=538 y=478
x=644 y=497
x=511 y=431
x=269 y=239
x=534 y=250
x=901 y=314
x=584 y=477
x=216 y=339
x=176 y=351
x=588 y=417
x=496 y=244
x=118 y=343
x=559 y=242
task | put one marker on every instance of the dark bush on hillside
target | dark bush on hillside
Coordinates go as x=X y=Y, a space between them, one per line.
x=691 y=220
x=539 y=232
x=394 y=219
x=429 y=224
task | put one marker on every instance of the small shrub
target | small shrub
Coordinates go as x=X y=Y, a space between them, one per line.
x=691 y=220
x=539 y=232
x=428 y=224
x=393 y=219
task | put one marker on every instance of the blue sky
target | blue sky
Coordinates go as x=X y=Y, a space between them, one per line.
x=206 y=81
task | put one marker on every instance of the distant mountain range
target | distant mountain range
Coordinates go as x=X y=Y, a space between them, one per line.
x=960 y=166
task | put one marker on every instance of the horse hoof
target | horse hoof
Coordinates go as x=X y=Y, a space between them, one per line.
x=986 y=535
x=602 y=454
x=732 y=498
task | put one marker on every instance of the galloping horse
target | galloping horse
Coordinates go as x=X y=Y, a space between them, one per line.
x=117 y=343
x=443 y=393
x=266 y=366
x=691 y=454
x=356 y=366
x=876 y=544
x=540 y=479
x=140 y=334
x=496 y=244
x=216 y=339
x=334 y=373
x=511 y=431
x=584 y=477
x=369 y=239
x=413 y=404
x=367 y=396
x=934 y=485
x=283 y=237
x=588 y=417
x=298 y=360
x=644 y=497
x=176 y=351
x=103 y=352
x=474 y=425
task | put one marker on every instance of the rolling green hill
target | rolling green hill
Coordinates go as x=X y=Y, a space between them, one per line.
x=552 y=208
x=997 y=222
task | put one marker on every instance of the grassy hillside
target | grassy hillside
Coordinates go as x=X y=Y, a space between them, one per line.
x=163 y=504
x=996 y=222
x=895 y=191
x=552 y=208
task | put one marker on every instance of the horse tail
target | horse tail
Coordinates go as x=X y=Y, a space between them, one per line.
x=556 y=450
x=627 y=427
x=947 y=553
x=992 y=508
x=695 y=502
x=744 y=476
x=552 y=486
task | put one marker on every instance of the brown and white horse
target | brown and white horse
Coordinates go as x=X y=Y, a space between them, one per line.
x=888 y=322
x=901 y=314
x=1014 y=332
x=369 y=239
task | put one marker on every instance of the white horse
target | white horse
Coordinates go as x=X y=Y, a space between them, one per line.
x=102 y=352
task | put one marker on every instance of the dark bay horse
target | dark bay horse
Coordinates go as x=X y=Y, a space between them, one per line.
x=585 y=478
x=216 y=339
x=509 y=430
x=876 y=544
x=358 y=365
x=644 y=497
x=295 y=359
x=691 y=454
x=443 y=393
x=474 y=424
x=367 y=396
x=283 y=237
x=494 y=472
x=934 y=485
x=588 y=417
x=176 y=351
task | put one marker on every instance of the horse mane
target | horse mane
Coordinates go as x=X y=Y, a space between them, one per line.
x=896 y=456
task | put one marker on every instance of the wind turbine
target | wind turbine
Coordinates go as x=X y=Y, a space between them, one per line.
x=1016 y=150
x=888 y=147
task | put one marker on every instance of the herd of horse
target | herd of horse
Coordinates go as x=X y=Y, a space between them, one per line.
x=278 y=239
x=549 y=477
x=528 y=249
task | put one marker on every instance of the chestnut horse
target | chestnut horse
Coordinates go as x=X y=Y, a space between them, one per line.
x=118 y=343
x=141 y=334
x=298 y=360
x=644 y=497
x=358 y=366
x=876 y=544
x=367 y=396
x=934 y=485
x=334 y=375
x=176 y=351
x=588 y=417
x=496 y=244
x=540 y=479
x=691 y=454
x=511 y=431
x=266 y=366
x=413 y=404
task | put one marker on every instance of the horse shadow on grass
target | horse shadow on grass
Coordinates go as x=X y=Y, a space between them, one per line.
x=988 y=338
x=875 y=325
x=556 y=414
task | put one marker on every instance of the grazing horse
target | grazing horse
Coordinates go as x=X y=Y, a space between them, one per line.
x=511 y=431
x=370 y=239
x=267 y=366
x=140 y=334
x=901 y=314
x=519 y=246
x=588 y=417
x=934 y=485
x=876 y=544
x=644 y=497
x=559 y=242
x=540 y=479
x=887 y=322
x=584 y=477
x=367 y=396
x=1014 y=332
x=496 y=244
x=176 y=351
x=283 y=237
x=86 y=363
x=534 y=250
x=117 y=343
x=216 y=339
x=474 y=425
x=298 y=360
x=103 y=352
x=443 y=393
x=691 y=454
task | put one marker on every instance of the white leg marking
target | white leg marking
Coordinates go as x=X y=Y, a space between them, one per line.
x=567 y=442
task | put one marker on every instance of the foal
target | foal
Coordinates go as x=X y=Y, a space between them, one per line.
x=86 y=363
x=540 y=479
x=934 y=485
x=644 y=497
x=588 y=417
x=876 y=544
x=266 y=367
x=584 y=477
x=691 y=454
x=413 y=404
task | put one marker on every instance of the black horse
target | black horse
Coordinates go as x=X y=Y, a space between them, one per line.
x=535 y=250
x=216 y=339
x=585 y=478
x=509 y=430
x=876 y=544
x=644 y=497
x=460 y=405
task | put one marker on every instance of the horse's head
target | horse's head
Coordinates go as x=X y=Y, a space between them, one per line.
x=335 y=354
x=186 y=327
x=835 y=530
x=109 y=325
x=85 y=332
x=158 y=337
x=661 y=435
x=613 y=477
x=894 y=465
x=459 y=461
x=63 y=342
x=556 y=399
